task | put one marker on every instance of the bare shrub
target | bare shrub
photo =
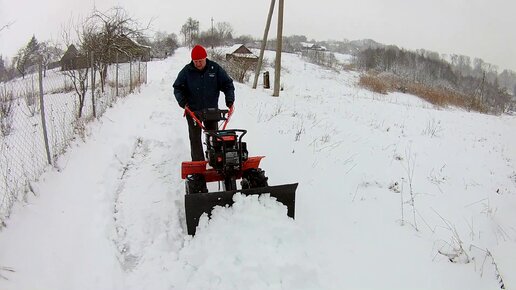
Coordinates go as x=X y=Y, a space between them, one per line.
x=409 y=169
x=240 y=69
x=30 y=95
x=323 y=58
x=6 y=110
x=374 y=83
x=433 y=128
x=67 y=87
x=217 y=55
x=348 y=67
x=435 y=96
x=79 y=80
x=443 y=97
x=453 y=250
x=278 y=109
x=299 y=130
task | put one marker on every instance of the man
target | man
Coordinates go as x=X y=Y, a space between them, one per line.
x=198 y=86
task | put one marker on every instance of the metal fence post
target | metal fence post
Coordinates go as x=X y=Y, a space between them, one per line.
x=131 y=75
x=116 y=75
x=42 y=110
x=93 y=85
x=139 y=73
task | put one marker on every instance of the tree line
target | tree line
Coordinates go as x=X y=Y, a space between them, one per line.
x=477 y=81
x=97 y=33
x=28 y=57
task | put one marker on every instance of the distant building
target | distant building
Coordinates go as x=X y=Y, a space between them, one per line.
x=240 y=60
x=73 y=60
x=312 y=46
x=131 y=50
x=240 y=52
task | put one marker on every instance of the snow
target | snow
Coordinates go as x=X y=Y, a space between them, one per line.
x=110 y=215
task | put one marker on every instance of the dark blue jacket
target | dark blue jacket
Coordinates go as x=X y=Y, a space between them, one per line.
x=201 y=89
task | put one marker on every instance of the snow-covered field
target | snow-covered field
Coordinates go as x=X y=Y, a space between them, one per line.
x=393 y=194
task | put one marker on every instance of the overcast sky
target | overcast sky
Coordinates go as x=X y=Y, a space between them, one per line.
x=476 y=28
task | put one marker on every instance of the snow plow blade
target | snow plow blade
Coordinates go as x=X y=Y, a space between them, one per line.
x=198 y=203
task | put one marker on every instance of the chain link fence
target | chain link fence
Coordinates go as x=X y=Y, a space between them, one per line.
x=41 y=113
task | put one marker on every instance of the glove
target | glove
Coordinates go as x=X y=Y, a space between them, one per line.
x=183 y=105
x=229 y=104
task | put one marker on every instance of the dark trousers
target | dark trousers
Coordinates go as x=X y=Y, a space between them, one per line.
x=194 y=133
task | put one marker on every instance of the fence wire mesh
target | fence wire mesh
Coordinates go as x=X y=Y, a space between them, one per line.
x=36 y=115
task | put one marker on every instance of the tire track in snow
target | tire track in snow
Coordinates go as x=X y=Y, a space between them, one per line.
x=148 y=212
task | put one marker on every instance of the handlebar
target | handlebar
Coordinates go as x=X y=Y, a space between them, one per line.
x=210 y=114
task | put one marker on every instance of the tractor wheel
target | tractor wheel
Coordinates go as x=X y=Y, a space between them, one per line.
x=253 y=178
x=195 y=183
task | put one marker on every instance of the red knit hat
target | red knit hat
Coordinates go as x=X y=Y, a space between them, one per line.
x=198 y=52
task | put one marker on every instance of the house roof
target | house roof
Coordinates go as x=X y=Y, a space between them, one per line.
x=314 y=46
x=307 y=44
x=70 y=53
x=239 y=50
x=134 y=42
x=129 y=43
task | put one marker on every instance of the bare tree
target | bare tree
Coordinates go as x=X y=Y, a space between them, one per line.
x=76 y=74
x=461 y=64
x=225 y=31
x=105 y=35
x=215 y=36
x=507 y=79
x=79 y=78
x=6 y=26
x=190 y=31
x=478 y=68
x=164 y=44
x=7 y=69
x=101 y=38
x=49 y=53
x=27 y=56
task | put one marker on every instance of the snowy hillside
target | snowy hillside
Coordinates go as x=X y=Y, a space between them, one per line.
x=393 y=194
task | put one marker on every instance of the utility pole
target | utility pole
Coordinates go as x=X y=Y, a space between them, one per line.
x=212 y=37
x=264 y=43
x=279 y=43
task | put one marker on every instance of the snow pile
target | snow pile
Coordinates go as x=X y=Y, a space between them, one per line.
x=251 y=245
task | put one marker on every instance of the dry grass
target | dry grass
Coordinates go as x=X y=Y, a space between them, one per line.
x=6 y=111
x=374 y=84
x=440 y=97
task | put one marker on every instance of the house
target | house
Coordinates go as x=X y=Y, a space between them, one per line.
x=240 y=61
x=123 y=50
x=73 y=60
x=130 y=49
x=312 y=46
x=240 y=52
